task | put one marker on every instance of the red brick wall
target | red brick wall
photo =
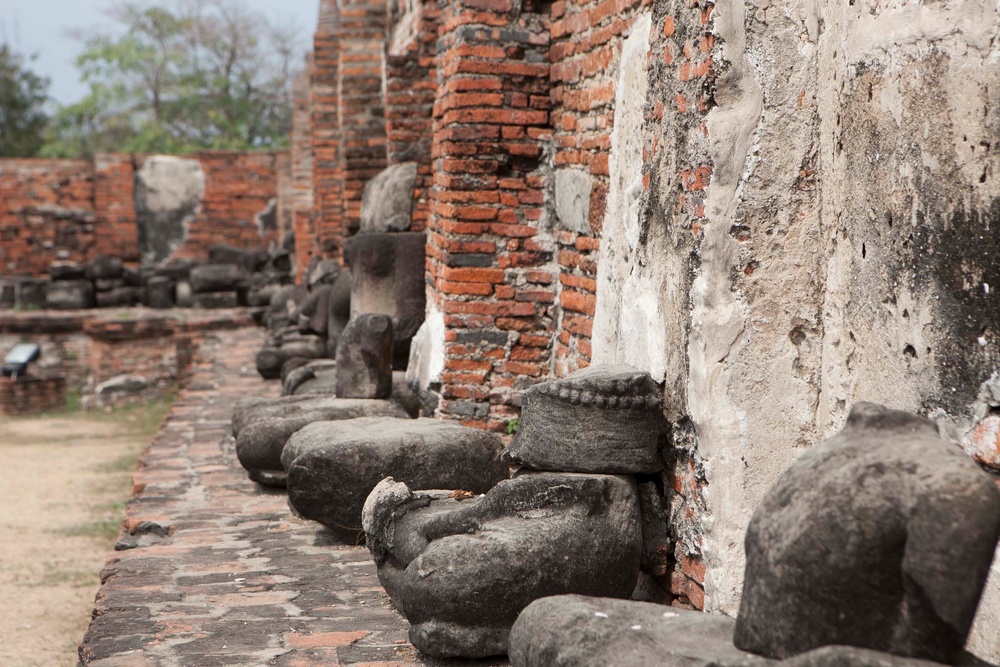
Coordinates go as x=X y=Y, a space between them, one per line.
x=238 y=188
x=32 y=394
x=302 y=203
x=586 y=48
x=327 y=179
x=411 y=86
x=114 y=201
x=362 y=111
x=75 y=210
x=46 y=212
x=487 y=263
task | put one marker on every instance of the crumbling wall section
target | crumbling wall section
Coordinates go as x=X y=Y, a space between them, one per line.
x=116 y=233
x=362 y=108
x=325 y=104
x=815 y=177
x=46 y=214
x=76 y=210
x=303 y=199
x=587 y=40
x=410 y=89
x=489 y=245
x=239 y=205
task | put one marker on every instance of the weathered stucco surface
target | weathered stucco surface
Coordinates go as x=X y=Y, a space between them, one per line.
x=168 y=193
x=845 y=250
x=629 y=313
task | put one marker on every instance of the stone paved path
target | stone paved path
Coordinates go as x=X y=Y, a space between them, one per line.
x=214 y=570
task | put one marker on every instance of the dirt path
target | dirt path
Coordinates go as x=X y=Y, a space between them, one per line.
x=62 y=499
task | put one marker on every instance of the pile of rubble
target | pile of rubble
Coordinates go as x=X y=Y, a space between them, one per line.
x=230 y=278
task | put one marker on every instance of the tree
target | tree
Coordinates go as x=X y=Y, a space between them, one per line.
x=23 y=95
x=183 y=77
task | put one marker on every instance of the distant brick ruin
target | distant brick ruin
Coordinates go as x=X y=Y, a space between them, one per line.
x=76 y=210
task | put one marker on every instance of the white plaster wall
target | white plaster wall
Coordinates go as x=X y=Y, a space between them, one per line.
x=427 y=350
x=628 y=321
x=845 y=250
x=168 y=197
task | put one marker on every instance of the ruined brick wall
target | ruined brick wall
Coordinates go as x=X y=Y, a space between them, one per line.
x=115 y=233
x=75 y=210
x=489 y=247
x=676 y=170
x=586 y=52
x=362 y=110
x=302 y=200
x=325 y=103
x=239 y=206
x=33 y=394
x=47 y=213
x=410 y=90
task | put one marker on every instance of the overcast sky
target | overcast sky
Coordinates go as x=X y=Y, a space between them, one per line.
x=42 y=26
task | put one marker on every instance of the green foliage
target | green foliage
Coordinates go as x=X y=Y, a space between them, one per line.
x=513 y=425
x=23 y=95
x=184 y=76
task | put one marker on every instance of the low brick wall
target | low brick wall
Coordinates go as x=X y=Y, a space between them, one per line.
x=87 y=349
x=29 y=394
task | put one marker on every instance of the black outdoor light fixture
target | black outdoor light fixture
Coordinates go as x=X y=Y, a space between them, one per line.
x=17 y=360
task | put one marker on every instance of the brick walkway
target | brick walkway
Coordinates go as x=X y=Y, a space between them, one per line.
x=214 y=570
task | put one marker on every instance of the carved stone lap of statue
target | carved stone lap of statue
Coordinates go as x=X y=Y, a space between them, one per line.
x=596 y=632
x=305 y=371
x=333 y=466
x=260 y=438
x=462 y=570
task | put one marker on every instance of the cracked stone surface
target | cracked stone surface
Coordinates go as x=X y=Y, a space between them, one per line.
x=214 y=570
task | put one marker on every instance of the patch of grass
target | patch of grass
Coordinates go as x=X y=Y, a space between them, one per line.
x=74 y=401
x=55 y=576
x=126 y=463
x=145 y=418
x=106 y=529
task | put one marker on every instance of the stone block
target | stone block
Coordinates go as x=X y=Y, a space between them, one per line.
x=387 y=202
x=121 y=297
x=333 y=466
x=215 y=278
x=104 y=267
x=211 y=300
x=67 y=271
x=160 y=292
x=364 y=358
x=69 y=295
x=880 y=538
